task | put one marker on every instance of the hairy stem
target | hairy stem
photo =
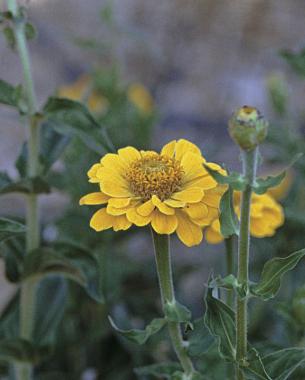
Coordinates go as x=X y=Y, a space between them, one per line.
x=28 y=289
x=249 y=160
x=229 y=243
x=163 y=262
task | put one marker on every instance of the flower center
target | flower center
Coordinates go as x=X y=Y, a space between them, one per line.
x=154 y=174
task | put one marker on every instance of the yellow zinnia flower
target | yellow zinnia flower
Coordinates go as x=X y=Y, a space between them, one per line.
x=170 y=190
x=266 y=215
x=80 y=90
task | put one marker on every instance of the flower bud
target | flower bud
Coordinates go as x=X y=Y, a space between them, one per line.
x=248 y=128
x=298 y=305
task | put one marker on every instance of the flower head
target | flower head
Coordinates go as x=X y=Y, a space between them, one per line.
x=266 y=215
x=170 y=190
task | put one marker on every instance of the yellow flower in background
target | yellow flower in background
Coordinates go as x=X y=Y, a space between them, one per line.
x=140 y=97
x=80 y=91
x=266 y=215
x=170 y=190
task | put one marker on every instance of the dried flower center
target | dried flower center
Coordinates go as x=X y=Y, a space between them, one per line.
x=154 y=174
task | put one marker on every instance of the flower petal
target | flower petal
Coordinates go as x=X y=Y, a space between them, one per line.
x=212 y=236
x=146 y=208
x=191 y=195
x=174 y=203
x=92 y=173
x=169 y=149
x=183 y=146
x=197 y=210
x=137 y=219
x=101 y=220
x=189 y=233
x=121 y=223
x=113 y=162
x=163 y=224
x=129 y=154
x=94 y=199
x=119 y=202
x=162 y=206
x=192 y=166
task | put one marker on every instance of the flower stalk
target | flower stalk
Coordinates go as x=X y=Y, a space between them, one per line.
x=249 y=160
x=28 y=289
x=229 y=244
x=164 y=270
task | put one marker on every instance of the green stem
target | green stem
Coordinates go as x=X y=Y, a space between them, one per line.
x=163 y=262
x=28 y=289
x=249 y=159
x=229 y=243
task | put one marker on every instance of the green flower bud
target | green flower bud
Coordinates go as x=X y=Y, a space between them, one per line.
x=298 y=305
x=248 y=128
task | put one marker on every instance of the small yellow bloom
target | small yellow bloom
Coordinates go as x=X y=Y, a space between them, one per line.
x=140 y=97
x=170 y=190
x=266 y=215
x=80 y=91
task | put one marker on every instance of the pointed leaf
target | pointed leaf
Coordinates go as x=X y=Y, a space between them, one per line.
x=229 y=282
x=67 y=260
x=165 y=370
x=229 y=224
x=272 y=273
x=140 y=336
x=219 y=319
x=235 y=180
x=281 y=364
x=176 y=312
x=73 y=118
x=199 y=339
x=9 y=95
x=35 y=185
x=10 y=228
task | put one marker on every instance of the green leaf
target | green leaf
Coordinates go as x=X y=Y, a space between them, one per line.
x=30 y=31
x=20 y=350
x=175 y=312
x=51 y=296
x=165 y=370
x=73 y=118
x=254 y=368
x=10 y=228
x=219 y=319
x=68 y=260
x=272 y=273
x=199 y=339
x=13 y=253
x=229 y=224
x=140 y=336
x=35 y=185
x=9 y=95
x=281 y=364
x=229 y=282
x=9 y=36
x=235 y=180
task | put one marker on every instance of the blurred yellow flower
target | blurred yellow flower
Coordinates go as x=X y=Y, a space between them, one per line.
x=170 y=190
x=140 y=97
x=80 y=90
x=266 y=215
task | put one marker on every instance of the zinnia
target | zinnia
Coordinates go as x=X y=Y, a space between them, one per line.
x=266 y=215
x=170 y=190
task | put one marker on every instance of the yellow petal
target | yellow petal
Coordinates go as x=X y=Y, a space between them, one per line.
x=192 y=166
x=94 y=199
x=212 y=236
x=189 y=233
x=206 y=182
x=146 y=208
x=137 y=219
x=101 y=220
x=169 y=149
x=211 y=198
x=121 y=223
x=119 y=202
x=174 y=203
x=183 y=146
x=162 y=206
x=163 y=224
x=129 y=154
x=92 y=173
x=197 y=210
x=191 y=195
x=113 y=162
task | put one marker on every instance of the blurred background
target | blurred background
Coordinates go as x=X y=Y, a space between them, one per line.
x=152 y=72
